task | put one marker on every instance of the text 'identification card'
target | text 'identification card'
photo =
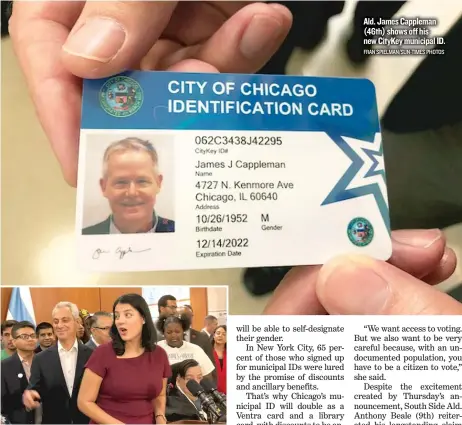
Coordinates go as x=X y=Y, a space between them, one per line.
x=192 y=171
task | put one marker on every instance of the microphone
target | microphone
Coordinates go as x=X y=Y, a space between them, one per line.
x=217 y=396
x=206 y=401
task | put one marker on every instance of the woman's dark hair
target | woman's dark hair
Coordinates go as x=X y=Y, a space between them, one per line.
x=148 y=333
x=183 y=319
x=212 y=337
x=181 y=369
x=86 y=335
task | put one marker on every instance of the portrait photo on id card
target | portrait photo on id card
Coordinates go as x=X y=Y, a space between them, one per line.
x=128 y=183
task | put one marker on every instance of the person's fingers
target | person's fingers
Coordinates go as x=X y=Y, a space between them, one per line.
x=30 y=397
x=153 y=59
x=43 y=28
x=38 y=31
x=35 y=397
x=248 y=39
x=192 y=65
x=244 y=43
x=361 y=285
x=110 y=37
x=444 y=269
x=417 y=252
x=193 y=22
x=296 y=294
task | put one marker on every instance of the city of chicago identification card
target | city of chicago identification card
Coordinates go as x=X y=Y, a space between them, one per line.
x=200 y=171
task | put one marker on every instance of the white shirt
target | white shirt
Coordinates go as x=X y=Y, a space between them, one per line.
x=188 y=351
x=26 y=366
x=187 y=335
x=94 y=341
x=113 y=230
x=68 y=361
x=205 y=331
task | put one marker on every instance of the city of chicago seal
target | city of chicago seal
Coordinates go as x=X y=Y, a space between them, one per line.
x=360 y=231
x=121 y=96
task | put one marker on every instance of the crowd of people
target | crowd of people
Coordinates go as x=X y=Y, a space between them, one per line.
x=111 y=367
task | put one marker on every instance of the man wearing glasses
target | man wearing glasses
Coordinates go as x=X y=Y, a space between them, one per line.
x=16 y=373
x=100 y=328
x=167 y=305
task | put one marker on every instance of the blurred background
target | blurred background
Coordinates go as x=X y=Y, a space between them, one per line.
x=419 y=102
x=40 y=301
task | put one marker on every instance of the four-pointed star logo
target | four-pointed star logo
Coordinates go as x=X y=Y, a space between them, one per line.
x=365 y=176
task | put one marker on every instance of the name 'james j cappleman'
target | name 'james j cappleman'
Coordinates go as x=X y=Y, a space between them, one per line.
x=250 y=165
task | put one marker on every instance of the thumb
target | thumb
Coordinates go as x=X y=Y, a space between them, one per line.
x=110 y=37
x=361 y=285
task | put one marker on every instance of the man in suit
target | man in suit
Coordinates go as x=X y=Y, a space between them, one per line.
x=45 y=336
x=131 y=182
x=210 y=324
x=57 y=372
x=100 y=327
x=197 y=337
x=16 y=371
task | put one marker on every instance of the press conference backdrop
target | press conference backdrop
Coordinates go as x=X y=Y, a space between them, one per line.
x=217 y=301
x=203 y=300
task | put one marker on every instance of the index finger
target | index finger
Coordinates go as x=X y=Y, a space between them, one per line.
x=38 y=31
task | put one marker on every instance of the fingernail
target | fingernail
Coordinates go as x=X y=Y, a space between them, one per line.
x=445 y=256
x=350 y=286
x=98 y=39
x=423 y=238
x=260 y=36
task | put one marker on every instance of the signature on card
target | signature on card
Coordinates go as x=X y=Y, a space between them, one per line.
x=119 y=252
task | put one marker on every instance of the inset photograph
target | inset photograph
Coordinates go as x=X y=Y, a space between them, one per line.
x=141 y=355
x=128 y=185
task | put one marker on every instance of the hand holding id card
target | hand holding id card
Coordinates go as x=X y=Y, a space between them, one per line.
x=199 y=171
